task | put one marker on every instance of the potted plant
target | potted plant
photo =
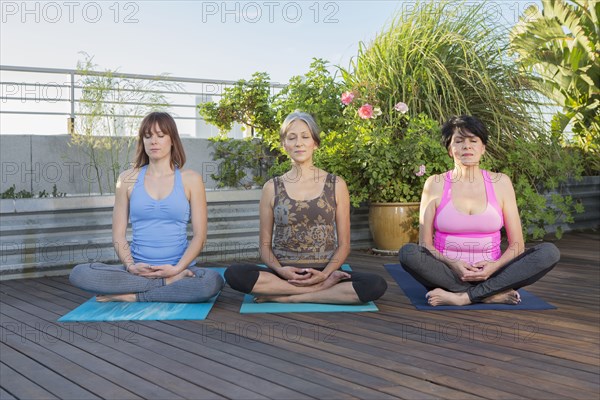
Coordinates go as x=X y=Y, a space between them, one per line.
x=385 y=158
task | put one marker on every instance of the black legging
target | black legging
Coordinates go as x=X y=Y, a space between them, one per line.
x=368 y=287
x=523 y=270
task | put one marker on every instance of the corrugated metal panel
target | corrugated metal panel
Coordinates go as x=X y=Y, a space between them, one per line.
x=49 y=236
x=587 y=191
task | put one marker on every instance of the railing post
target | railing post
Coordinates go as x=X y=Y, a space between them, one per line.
x=71 y=122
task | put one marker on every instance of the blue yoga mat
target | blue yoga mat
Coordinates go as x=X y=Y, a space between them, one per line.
x=416 y=294
x=92 y=310
x=250 y=307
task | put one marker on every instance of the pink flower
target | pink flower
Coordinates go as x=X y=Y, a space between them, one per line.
x=365 y=111
x=402 y=107
x=347 y=98
x=421 y=168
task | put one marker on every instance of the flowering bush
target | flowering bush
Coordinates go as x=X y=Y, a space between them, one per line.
x=384 y=157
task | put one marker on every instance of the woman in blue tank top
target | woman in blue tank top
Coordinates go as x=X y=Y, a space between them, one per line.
x=159 y=199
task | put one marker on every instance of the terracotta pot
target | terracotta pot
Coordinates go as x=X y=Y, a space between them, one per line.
x=391 y=225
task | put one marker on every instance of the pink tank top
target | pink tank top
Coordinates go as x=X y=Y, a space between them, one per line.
x=471 y=238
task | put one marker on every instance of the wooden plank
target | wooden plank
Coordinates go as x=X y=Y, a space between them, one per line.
x=4 y=395
x=237 y=380
x=44 y=377
x=57 y=363
x=343 y=386
x=401 y=374
x=249 y=365
x=103 y=361
x=21 y=387
x=442 y=355
x=398 y=352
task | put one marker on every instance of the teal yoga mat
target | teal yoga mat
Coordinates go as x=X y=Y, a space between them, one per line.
x=416 y=294
x=249 y=307
x=93 y=311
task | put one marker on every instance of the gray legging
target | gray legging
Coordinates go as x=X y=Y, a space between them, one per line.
x=101 y=278
x=523 y=270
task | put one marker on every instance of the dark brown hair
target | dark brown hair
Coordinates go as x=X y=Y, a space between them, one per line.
x=167 y=125
x=463 y=125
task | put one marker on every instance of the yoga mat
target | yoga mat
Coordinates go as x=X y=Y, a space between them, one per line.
x=250 y=307
x=416 y=294
x=92 y=310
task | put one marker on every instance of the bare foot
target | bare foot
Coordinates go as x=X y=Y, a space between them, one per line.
x=333 y=279
x=129 y=297
x=508 y=297
x=186 y=273
x=272 y=299
x=440 y=297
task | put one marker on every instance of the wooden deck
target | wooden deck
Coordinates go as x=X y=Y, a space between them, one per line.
x=398 y=352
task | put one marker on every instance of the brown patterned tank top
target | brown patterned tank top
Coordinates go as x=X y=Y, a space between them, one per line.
x=305 y=234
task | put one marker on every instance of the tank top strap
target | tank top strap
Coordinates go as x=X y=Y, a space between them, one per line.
x=329 y=188
x=178 y=181
x=279 y=188
x=447 y=194
x=447 y=176
x=491 y=193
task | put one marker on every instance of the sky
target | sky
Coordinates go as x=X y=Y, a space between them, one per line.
x=227 y=40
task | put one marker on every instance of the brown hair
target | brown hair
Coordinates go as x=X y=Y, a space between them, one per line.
x=167 y=125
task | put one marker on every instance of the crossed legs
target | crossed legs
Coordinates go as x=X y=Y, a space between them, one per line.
x=114 y=283
x=339 y=288
x=445 y=288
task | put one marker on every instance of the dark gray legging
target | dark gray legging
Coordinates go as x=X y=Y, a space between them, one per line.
x=101 y=278
x=523 y=270
x=368 y=286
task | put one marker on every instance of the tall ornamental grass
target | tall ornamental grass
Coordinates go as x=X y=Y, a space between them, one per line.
x=447 y=58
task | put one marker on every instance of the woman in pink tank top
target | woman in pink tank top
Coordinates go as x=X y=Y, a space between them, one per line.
x=459 y=258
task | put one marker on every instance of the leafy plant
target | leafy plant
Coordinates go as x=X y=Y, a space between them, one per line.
x=560 y=46
x=251 y=103
x=25 y=194
x=108 y=117
x=247 y=103
x=317 y=93
x=238 y=157
x=384 y=158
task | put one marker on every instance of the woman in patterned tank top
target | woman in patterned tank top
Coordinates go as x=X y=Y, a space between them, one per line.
x=304 y=232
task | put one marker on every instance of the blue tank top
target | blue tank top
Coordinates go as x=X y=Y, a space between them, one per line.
x=159 y=226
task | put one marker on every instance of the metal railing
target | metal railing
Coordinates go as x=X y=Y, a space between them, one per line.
x=29 y=92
